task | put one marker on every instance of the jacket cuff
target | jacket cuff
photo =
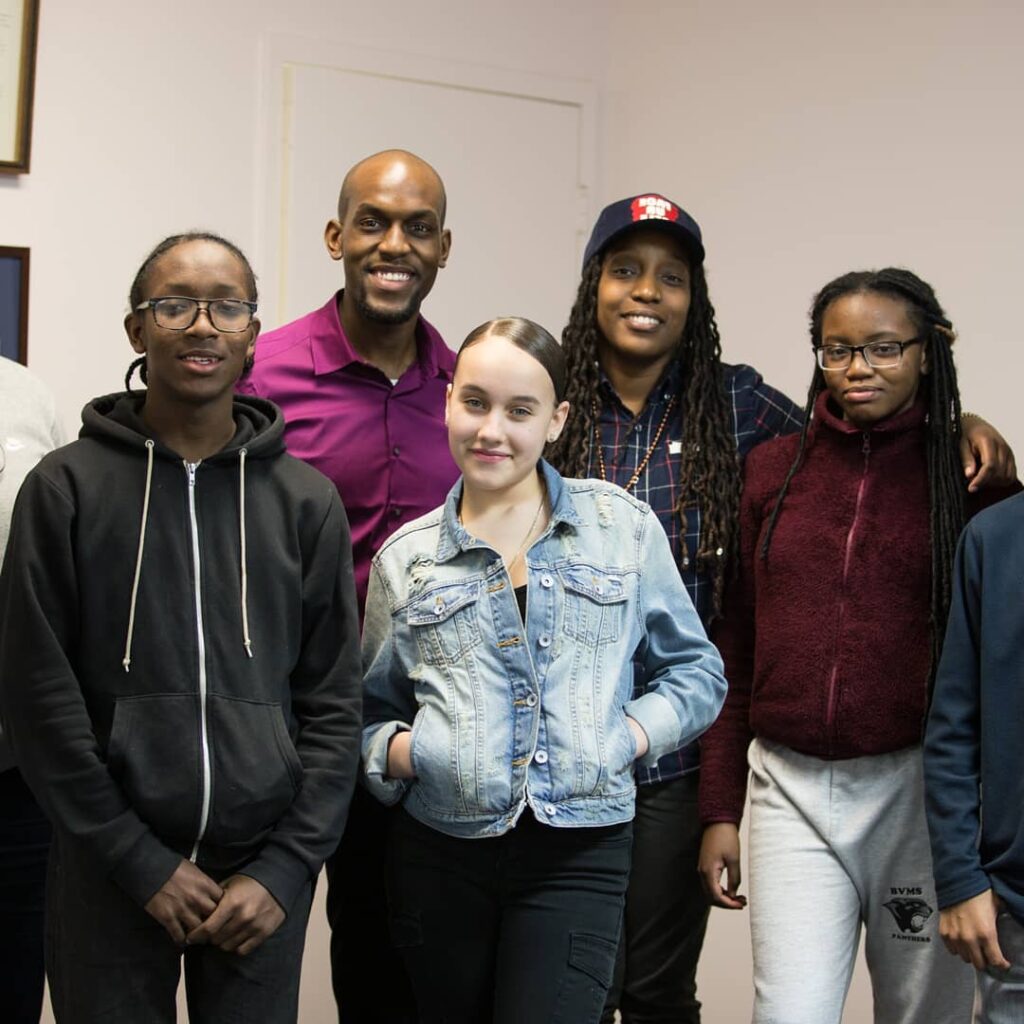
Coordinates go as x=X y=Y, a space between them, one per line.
x=375 y=764
x=143 y=870
x=280 y=873
x=657 y=718
x=963 y=889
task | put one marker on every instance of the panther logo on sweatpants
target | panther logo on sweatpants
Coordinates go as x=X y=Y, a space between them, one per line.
x=911 y=913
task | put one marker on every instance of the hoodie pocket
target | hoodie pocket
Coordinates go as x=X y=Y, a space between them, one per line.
x=256 y=771
x=154 y=754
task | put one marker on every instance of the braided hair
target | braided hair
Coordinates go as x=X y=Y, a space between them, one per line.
x=708 y=469
x=135 y=293
x=940 y=391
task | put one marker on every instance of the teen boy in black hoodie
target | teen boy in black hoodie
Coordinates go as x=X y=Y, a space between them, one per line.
x=179 y=651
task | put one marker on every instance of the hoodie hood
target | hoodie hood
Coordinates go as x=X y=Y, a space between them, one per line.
x=259 y=426
x=259 y=434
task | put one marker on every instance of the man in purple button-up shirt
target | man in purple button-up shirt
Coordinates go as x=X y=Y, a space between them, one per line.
x=361 y=382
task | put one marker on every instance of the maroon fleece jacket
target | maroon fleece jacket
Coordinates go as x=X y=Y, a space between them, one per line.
x=826 y=643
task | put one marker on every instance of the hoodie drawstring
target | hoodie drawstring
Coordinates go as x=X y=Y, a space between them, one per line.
x=246 y=641
x=127 y=660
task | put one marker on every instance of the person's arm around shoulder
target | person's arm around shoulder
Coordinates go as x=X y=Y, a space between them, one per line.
x=682 y=668
x=987 y=458
x=326 y=702
x=967 y=904
x=390 y=706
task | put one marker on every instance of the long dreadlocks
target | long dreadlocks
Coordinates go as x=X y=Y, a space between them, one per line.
x=939 y=388
x=708 y=466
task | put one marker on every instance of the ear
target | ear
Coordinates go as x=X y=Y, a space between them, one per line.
x=557 y=424
x=255 y=326
x=133 y=328
x=332 y=239
x=447 y=402
x=924 y=359
x=446 y=247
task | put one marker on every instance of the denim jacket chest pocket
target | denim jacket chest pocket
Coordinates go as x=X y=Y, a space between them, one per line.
x=446 y=621
x=596 y=603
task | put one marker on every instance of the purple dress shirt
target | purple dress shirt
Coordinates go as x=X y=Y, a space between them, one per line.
x=383 y=445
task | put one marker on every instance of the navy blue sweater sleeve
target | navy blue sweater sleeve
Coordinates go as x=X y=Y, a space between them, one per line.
x=974 y=759
x=951 y=751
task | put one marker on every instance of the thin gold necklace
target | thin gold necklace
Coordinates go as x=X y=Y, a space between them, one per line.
x=647 y=455
x=529 y=532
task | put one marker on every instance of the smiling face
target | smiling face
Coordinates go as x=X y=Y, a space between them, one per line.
x=867 y=395
x=501 y=411
x=643 y=298
x=199 y=364
x=389 y=236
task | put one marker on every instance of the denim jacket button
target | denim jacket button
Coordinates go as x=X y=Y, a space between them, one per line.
x=541 y=757
x=549 y=810
x=546 y=581
x=531 y=700
x=544 y=640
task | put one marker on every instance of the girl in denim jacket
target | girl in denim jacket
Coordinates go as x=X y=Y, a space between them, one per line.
x=503 y=633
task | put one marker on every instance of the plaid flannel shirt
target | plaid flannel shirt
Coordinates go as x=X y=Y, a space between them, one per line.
x=759 y=412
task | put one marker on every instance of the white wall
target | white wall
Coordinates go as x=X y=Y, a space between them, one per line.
x=806 y=138
x=809 y=139
x=109 y=177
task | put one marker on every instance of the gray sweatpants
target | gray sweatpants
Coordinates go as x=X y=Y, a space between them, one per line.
x=834 y=845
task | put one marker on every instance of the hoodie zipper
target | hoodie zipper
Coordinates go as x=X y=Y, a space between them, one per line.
x=190 y=469
x=830 y=713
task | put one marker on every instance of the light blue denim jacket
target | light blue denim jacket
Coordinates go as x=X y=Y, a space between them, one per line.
x=503 y=716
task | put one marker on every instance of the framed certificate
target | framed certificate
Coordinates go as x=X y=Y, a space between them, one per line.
x=19 y=22
x=14 y=303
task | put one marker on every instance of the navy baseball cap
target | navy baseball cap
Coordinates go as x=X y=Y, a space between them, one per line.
x=645 y=210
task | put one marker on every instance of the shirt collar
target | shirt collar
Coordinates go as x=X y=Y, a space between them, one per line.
x=826 y=413
x=453 y=537
x=333 y=351
x=667 y=386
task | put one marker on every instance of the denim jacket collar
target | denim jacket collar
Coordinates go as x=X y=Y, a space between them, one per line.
x=453 y=537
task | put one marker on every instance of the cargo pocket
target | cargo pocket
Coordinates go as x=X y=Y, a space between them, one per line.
x=587 y=978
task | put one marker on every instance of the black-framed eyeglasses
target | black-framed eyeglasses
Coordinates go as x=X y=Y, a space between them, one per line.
x=879 y=355
x=179 y=313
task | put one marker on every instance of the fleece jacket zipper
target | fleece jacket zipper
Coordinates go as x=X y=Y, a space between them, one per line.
x=833 y=683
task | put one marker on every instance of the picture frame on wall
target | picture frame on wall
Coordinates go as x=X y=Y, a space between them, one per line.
x=19 y=26
x=14 y=303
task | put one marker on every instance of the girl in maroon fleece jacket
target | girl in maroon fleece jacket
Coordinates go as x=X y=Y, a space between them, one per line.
x=829 y=634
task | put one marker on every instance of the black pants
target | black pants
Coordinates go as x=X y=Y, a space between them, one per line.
x=666 y=912
x=109 y=962
x=24 y=843
x=521 y=927
x=357 y=913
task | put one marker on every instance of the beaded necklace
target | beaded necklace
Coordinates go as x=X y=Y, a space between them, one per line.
x=647 y=455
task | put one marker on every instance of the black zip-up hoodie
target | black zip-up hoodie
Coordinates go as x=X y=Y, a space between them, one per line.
x=179 y=652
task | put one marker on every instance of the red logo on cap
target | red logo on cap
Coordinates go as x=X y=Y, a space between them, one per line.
x=653 y=208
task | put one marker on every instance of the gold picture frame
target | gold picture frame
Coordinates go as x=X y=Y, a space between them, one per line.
x=19 y=27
